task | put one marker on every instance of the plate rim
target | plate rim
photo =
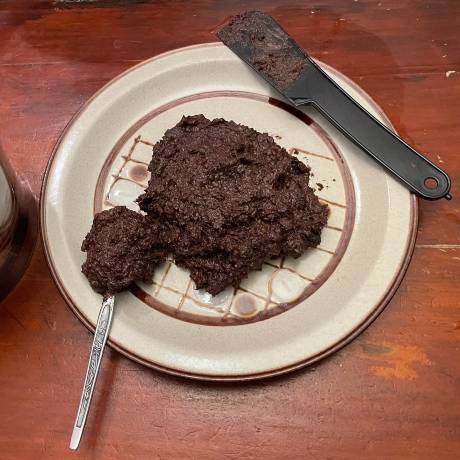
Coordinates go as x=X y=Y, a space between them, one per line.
x=381 y=304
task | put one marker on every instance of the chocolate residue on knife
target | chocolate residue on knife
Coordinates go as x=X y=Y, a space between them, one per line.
x=121 y=247
x=227 y=198
x=267 y=47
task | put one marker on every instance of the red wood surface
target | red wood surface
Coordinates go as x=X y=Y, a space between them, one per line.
x=392 y=393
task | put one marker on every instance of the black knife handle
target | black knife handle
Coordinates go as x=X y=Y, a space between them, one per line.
x=419 y=174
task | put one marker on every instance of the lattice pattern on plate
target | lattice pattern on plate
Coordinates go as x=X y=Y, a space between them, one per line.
x=280 y=284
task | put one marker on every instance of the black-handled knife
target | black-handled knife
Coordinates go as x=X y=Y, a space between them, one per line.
x=263 y=44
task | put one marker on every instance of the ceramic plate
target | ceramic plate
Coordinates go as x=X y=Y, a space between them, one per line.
x=289 y=314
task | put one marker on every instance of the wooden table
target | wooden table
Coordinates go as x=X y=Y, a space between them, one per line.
x=392 y=393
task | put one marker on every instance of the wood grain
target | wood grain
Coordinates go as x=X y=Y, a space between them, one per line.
x=392 y=393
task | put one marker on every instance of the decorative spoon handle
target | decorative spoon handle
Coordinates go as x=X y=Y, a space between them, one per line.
x=100 y=338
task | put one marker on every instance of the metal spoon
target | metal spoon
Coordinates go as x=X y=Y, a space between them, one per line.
x=101 y=333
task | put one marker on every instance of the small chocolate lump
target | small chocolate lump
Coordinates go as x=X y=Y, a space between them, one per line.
x=121 y=247
x=271 y=52
x=226 y=198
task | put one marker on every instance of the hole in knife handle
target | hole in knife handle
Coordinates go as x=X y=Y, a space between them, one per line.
x=435 y=187
x=431 y=183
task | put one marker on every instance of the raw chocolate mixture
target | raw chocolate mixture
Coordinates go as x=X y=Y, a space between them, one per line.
x=226 y=198
x=121 y=247
x=222 y=197
x=271 y=51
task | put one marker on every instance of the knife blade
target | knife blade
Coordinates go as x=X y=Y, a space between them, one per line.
x=263 y=44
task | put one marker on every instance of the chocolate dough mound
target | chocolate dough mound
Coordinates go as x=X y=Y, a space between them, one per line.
x=271 y=54
x=227 y=198
x=122 y=247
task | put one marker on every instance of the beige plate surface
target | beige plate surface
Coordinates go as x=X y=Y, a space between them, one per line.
x=291 y=313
